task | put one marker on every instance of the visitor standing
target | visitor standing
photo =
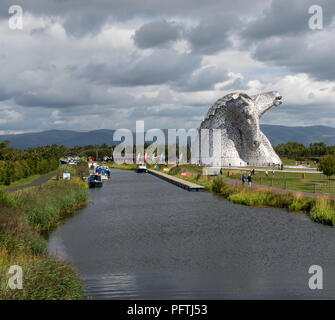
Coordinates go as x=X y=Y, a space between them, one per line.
x=244 y=178
x=249 y=180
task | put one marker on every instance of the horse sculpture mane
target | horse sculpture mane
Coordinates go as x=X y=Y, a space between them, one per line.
x=241 y=141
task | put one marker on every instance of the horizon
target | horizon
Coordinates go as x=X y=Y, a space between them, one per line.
x=104 y=129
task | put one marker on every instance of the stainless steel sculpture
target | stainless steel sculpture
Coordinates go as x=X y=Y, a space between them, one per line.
x=239 y=140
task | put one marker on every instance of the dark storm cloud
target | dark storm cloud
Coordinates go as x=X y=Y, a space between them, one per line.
x=282 y=37
x=161 y=67
x=211 y=35
x=87 y=16
x=286 y=17
x=156 y=34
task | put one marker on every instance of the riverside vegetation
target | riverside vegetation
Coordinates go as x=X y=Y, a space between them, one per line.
x=24 y=215
x=321 y=210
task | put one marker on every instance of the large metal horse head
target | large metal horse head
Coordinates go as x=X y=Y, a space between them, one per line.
x=244 y=113
x=238 y=115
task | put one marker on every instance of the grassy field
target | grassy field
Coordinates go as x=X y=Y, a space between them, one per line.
x=291 y=181
x=24 y=215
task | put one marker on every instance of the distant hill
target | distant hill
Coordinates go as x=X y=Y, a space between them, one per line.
x=305 y=135
x=276 y=135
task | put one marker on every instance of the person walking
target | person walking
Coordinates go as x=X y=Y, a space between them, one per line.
x=249 y=180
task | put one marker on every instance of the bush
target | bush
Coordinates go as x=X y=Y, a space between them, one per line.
x=323 y=212
x=218 y=184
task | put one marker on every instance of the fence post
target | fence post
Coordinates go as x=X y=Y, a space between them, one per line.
x=314 y=187
x=285 y=184
x=271 y=182
x=261 y=180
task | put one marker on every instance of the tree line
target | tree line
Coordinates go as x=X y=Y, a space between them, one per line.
x=18 y=164
x=294 y=149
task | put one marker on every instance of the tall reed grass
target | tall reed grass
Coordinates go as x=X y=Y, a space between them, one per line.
x=23 y=215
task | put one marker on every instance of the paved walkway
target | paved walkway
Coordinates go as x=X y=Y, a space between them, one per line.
x=37 y=182
x=233 y=182
x=190 y=186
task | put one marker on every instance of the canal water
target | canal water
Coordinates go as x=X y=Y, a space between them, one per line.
x=144 y=238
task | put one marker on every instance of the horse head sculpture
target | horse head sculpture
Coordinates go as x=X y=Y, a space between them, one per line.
x=237 y=115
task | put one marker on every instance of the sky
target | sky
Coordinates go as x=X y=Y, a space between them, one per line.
x=87 y=65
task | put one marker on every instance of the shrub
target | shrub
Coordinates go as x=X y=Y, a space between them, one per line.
x=218 y=184
x=323 y=212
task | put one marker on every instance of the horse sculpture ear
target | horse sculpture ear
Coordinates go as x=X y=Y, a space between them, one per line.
x=245 y=98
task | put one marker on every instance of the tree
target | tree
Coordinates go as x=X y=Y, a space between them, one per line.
x=291 y=149
x=318 y=148
x=327 y=166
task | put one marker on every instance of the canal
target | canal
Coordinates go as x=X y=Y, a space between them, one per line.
x=144 y=238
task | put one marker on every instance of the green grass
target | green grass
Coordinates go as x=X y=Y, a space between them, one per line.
x=24 y=182
x=218 y=184
x=24 y=215
x=44 y=205
x=44 y=276
x=123 y=166
x=323 y=212
x=294 y=181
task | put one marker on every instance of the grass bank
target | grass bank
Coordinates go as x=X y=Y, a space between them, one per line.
x=303 y=182
x=321 y=210
x=123 y=166
x=24 y=215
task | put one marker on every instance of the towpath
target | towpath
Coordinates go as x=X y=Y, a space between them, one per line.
x=37 y=182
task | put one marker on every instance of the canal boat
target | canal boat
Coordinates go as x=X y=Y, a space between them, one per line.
x=141 y=167
x=104 y=172
x=95 y=181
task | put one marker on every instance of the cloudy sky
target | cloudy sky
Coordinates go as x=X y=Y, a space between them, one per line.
x=85 y=65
